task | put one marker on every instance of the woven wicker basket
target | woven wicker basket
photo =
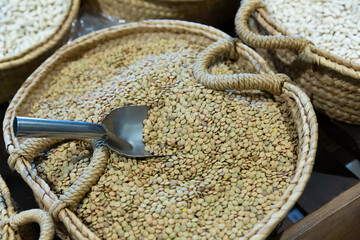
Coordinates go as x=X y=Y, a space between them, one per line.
x=23 y=152
x=332 y=83
x=15 y=69
x=10 y=222
x=211 y=12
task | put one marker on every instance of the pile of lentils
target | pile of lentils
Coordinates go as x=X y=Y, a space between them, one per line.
x=25 y=23
x=332 y=25
x=232 y=153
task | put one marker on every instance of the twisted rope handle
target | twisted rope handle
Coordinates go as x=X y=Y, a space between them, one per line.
x=35 y=215
x=33 y=146
x=260 y=41
x=87 y=179
x=243 y=81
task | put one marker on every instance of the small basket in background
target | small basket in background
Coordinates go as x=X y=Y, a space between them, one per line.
x=14 y=69
x=332 y=82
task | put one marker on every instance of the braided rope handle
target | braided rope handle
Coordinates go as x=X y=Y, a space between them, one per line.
x=75 y=193
x=271 y=83
x=280 y=39
x=259 y=41
x=35 y=215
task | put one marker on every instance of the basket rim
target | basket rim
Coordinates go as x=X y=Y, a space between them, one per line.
x=40 y=48
x=5 y=196
x=73 y=224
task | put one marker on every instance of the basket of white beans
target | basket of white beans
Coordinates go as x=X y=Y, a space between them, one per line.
x=316 y=43
x=30 y=31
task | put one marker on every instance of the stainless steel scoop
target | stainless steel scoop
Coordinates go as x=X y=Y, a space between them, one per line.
x=121 y=129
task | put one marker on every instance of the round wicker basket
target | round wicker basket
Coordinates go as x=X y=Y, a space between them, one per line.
x=15 y=69
x=332 y=83
x=211 y=12
x=10 y=221
x=23 y=152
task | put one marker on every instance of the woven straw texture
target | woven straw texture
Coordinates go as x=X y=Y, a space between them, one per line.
x=332 y=83
x=211 y=12
x=22 y=153
x=15 y=69
x=10 y=222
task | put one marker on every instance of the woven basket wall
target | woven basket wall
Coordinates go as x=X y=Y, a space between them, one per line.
x=211 y=12
x=12 y=225
x=15 y=69
x=23 y=152
x=332 y=83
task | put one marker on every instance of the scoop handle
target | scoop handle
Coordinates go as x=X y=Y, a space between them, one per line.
x=38 y=127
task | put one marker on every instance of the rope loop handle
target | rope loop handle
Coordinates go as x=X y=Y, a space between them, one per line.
x=35 y=215
x=271 y=83
x=260 y=41
x=30 y=149
x=87 y=179
x=73 y=195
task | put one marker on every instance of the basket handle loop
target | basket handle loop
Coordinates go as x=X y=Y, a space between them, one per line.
x=91 y=174
x=243 y=81
x=73 y=195
x=34 y=215
x=253 y=39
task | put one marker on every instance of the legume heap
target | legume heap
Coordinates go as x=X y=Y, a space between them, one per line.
x=233 y=153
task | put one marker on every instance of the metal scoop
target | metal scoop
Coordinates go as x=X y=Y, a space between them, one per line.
x=122 y=129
